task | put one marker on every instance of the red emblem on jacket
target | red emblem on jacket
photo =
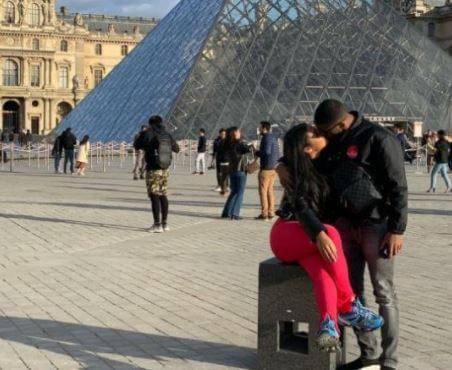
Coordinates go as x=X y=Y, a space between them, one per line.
x=352 y=151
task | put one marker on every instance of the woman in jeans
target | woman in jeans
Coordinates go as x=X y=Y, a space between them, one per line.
x=301 y=235
x=234 y=151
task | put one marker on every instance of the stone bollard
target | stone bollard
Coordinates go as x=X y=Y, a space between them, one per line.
x=288 y=321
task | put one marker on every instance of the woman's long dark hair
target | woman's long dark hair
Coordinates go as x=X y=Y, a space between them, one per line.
x=308 y=182
x=84 y=140
x=230 y=139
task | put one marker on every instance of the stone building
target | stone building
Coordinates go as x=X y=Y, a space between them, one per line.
x=50 y=61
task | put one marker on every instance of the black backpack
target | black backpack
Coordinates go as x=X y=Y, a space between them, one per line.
x=163 y=153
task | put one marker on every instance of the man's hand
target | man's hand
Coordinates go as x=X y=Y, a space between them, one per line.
x=326 y=247
x=284 y=177
x=394 y=242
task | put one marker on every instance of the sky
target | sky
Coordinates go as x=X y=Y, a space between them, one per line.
x=140 y=8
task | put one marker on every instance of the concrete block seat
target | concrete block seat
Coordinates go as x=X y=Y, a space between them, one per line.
x=288 y=321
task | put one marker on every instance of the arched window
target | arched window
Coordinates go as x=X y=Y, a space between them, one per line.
x=35 y=14
x=124 y=50
x=35 y=44
x=98 y=76
x=10 y=73
x=10 y=12
x=98 y=49
x=63 y=46
x=64 y=77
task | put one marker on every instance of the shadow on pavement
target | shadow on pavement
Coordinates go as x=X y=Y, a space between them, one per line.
x=86 y=344
x=433 y=212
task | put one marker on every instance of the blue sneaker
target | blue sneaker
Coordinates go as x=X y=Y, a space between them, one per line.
x=328 y=337
x=361 y=318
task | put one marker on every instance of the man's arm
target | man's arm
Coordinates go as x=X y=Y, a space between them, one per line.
x=392 y=172
x=174 y=146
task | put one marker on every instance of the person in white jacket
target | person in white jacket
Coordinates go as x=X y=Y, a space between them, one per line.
x=82 y=155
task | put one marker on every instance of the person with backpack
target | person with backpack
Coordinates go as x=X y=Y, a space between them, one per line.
x=57 y=153
x=158 y=146
x=235 y=151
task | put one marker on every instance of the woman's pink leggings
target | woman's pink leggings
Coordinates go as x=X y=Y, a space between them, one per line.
x=332 y=289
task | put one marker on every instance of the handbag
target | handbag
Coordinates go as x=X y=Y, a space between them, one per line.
x=358 y=196
x=251 y=165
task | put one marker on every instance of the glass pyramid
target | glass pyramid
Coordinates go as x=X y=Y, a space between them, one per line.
x=220 y=63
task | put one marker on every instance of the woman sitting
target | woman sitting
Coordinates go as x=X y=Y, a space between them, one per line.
x=300 y=228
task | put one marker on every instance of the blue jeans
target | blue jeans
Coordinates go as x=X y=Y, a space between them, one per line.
x=57 y=158
x=235 y=199
x=361 y=247
x=69 y=157
x=441 y=168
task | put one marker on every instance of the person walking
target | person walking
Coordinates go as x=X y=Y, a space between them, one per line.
x=57 y=153
x=442 y=147
x=201 y=156
x=28 y=139
x=158 y=146
x=140 y=163
x=431 y=150
x=234 y=152
x=269 y=155
x=82 y=155
x=300 y=235
x=68 y=141
x=216 y=159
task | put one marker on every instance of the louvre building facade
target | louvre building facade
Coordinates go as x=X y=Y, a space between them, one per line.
x=235 y=62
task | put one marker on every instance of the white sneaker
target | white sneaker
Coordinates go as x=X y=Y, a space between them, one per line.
x=156 y=229
x=218 y=188
x=166 y=228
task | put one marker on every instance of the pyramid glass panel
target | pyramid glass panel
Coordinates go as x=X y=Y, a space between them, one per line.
x=212 y=64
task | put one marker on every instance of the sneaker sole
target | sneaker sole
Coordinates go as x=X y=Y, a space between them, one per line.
x=327 y=343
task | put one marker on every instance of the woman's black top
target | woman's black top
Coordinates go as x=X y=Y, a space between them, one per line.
x=233 y=153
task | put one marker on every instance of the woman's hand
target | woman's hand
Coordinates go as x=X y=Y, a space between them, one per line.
x=326 y=247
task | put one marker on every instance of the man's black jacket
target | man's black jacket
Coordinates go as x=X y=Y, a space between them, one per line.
x=146 y=142
x=68 y=140
x=442 y=151
x=378 y=151
x=202 y=144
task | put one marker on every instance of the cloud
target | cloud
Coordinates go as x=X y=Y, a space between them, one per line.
x=139 y=8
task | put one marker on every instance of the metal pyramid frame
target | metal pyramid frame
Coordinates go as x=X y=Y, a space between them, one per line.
x=218 y=63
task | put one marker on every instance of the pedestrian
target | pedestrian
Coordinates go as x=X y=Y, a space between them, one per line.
x=140 y=162
x=82 y=155
x=431 y=150
x=301 y=236
x=22 y=137
x=268 y=154
x=201 y=153
x=57 y=153
x=68 y=141
x=12 y=136
x=217 y=156
x=442 y=147
x=404 y=144
x=158 y=146
x=364 y=165
x=234 y=152
x=28 y=139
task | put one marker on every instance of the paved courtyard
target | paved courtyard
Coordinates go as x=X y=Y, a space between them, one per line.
x=83 y=286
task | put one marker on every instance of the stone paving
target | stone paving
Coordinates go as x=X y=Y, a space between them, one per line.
x=83 y=286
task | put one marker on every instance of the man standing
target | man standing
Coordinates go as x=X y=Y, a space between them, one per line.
x=68 y=140
x=404 y=144
x=269 y=155
x=201 y=157
x=216 y=156
x=158 y=146
x=372 y=228
x=441 y=162
x=57 y=153
x=140 y=163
